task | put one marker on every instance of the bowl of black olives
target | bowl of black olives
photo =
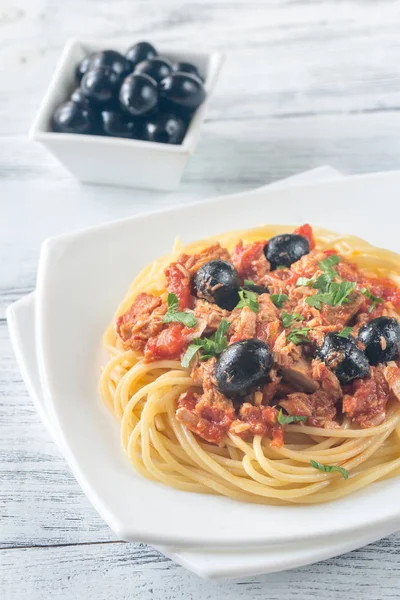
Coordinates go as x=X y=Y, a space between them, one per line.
x=127 y=115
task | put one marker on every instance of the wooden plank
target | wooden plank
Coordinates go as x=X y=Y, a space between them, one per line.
x=104 y=571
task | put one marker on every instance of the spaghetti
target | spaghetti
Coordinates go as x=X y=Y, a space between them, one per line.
x=144 y=391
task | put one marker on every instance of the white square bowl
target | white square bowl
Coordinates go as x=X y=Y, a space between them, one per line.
x=118 y=161
x=83 y=276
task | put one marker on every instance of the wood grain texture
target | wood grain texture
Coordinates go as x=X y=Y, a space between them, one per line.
x=306 y=82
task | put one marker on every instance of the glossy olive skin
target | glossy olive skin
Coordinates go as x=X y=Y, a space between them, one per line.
x=157 y=68
x=100 y=85
x=72 y=117
x=83 y=67
x=217 y=281
x=344 y=357
x=79 y=97
x=113 y=60
x=242 y=366
x=183 y=89
x=286 y=249
x=118 y=124
x=165 y=129
x=381 y=338
x=185 y=67
x=138 y=94
x=139 y=52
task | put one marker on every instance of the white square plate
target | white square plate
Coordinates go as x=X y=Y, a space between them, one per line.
x=82 y=278
x=208 y=564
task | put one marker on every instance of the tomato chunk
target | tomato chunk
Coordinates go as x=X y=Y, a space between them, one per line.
x=179 y=284
x=307 y=232
x=168 y=344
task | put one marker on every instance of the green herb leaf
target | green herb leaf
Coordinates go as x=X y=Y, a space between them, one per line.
x=322 y=283
x=338 y=294
x=220 y=335
x=298 y=336
x=346 y=331
x=249 y=282
x=249 y=299
x=190 y=352
x=374 y=299
x=329 y=468
x=279 y=299
x=212 y=346
x=285 y=419
x=328 y=263
x=173 y=315
x=304 y=281
x=289 y=319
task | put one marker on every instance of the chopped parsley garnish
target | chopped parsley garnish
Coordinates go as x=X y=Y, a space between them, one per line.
x=298 y=336
x=322 y=282
x=212 y=346
x=279 y=299
x=288 y=319
x=328 y=263
x=248 y=298
x=374 y=299
x=173 y=315
x=249 y=282
x=346 y=331
x=329 y=468
x=304 y=281
x=285 y=419
x=336 y=295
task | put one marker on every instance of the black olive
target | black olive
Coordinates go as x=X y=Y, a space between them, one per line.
x=157 y=68
x=79 y=97
x=242 y=366
x=118 y=124
x=140 y=51
x=344 y=357
x=112 y=59
x=83 y=67
x=138 y=94
x=183 y=89
x=185 y=67
x=217 y=281
x=257 y=289
x=165 y=129
x=101 y=85
x=286 y=249
x=72 y=117
x=381 y=338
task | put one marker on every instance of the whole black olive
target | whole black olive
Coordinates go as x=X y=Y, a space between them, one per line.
x=138 y=94
x=112 y=59
x=344 y=357
x=79 y=97
x=185 y=67
x=72 y=117
x=118 y=124
x=101 y=85
x=381 y=338
x=165 y=129
x=183 y=89
x=157 y=68
x=217 y=281
x=140 y=51
x=286 y=249
x=83 y=67
x=242 y=366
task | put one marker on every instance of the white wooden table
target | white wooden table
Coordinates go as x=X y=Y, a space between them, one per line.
x=305 y=83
